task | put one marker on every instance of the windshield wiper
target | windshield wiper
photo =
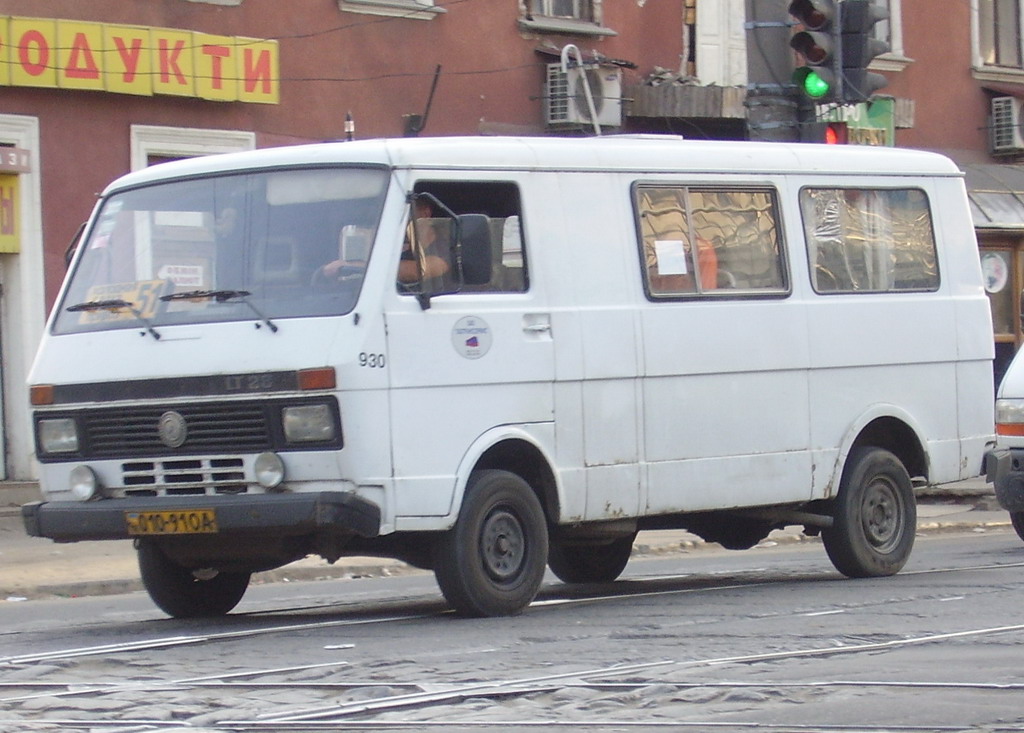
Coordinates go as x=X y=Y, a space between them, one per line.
x=221 y=296
x=115 y=304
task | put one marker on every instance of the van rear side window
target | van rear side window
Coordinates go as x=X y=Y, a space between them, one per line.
x=869 y=240
x=736 y=234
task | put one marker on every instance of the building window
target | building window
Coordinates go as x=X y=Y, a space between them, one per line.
x=575 y=9
x=999 y=33
x=574 y=17
x=890 y=31
x=998 y=44
x=415 y=9
x=153 y=144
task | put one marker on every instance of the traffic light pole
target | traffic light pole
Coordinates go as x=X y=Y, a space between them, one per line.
x=773 y=102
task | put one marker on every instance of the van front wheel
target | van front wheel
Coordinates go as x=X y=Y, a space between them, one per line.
x=181 y=593
x=491 y=563
x=874 y=516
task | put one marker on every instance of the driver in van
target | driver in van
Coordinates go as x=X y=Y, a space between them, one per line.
x=427 y=263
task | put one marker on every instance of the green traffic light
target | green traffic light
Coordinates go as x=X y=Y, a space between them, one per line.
x=812 y=83
x=815 y=86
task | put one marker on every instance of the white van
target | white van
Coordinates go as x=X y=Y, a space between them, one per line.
x=614 y=334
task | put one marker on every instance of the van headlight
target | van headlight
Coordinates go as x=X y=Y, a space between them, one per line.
x=58 y=435
x=1010 y=417
x=308 y=424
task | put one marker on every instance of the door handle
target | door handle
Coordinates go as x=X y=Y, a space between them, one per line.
x=537 y=325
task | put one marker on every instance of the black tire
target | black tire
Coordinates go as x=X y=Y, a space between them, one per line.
x=491 y=563
x=1017 y=520
x=590 y=563
x=875 y=516
x=179 y=593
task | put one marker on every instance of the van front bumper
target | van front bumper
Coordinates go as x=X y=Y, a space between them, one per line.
x=1004 y=467
x=326 y=512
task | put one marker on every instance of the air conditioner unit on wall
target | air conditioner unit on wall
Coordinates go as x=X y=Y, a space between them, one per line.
x=565 y=99
x=1007 y=136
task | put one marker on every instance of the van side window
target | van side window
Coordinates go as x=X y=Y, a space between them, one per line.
x=735 y=231
x=869 y=240
x=500 y=202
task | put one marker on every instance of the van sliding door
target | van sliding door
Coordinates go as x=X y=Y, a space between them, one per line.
x=725 y=350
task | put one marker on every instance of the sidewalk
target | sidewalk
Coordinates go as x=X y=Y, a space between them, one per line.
x=33 y=567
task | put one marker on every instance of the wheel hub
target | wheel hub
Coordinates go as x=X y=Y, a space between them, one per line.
x=503 y=545
x=881 y=516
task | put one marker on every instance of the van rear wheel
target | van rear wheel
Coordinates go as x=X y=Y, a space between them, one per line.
x=491 y=563
x=590 y=563
x=181 y=593
x=874 y=515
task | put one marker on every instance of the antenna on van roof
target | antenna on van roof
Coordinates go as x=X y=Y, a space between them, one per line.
x=583 y=80
x=414 y=124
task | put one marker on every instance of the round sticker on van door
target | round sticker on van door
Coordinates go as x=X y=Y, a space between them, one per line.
x=471 y=337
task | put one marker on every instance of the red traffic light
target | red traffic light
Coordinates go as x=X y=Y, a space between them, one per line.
x=817 y=48
x=836 y=133
x=813 y=14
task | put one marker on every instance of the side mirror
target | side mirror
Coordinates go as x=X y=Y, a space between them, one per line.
x=474 y=248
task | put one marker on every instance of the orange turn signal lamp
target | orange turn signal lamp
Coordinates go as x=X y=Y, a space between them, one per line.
x=41 y=394
x=319 y=378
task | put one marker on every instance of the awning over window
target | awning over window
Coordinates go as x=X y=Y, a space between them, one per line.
x=996 y=194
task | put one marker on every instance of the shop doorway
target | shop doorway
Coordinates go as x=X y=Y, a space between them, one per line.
x=1002 y=263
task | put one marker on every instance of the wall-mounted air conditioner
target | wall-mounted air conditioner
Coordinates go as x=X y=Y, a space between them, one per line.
x=1007 y=136
x=565 y=100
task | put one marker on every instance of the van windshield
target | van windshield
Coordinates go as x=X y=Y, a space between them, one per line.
x=237 y=247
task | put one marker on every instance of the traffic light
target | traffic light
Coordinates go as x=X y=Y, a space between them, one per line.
x=836 y=133
x=819 y=44
x=828 y=133
x=859 y=47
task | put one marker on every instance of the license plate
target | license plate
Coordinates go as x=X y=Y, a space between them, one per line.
x=187 y=521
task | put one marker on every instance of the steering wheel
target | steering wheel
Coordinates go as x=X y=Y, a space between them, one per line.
x=343 y=273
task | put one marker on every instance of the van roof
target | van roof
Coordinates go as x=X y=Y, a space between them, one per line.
x=622 y=153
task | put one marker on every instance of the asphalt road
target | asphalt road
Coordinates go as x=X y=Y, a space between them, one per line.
x=767 y=639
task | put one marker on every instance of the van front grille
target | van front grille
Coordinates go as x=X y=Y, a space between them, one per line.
x=211 y=428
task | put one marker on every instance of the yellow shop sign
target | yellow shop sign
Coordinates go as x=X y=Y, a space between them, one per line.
x=65 y=54
x=10 y=204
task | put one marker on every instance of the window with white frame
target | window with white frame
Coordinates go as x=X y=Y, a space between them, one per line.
x=580 y=17
x=889 y=30
x=150 y=143
x=574 y=9
x=999 y=35
x=414 y=9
